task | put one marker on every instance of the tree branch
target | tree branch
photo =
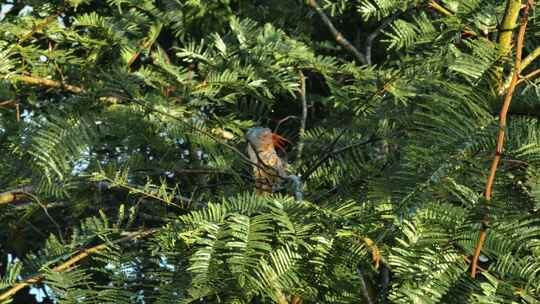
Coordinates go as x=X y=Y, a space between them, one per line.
x=532 y=75
x=439 y=8
x=145 y=45
x=72 y=261
x=38 y=81
x=330 y=153
x=508 y=25
x=524 y=63
x=13 y=195
x=374 y=34
x=337 y=35
x=302 y=131
x=446 y=12
x=505 y=39
x=530 y=58
x=500 y=137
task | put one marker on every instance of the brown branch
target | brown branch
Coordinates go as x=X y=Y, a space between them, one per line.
x=39 y=27
x=524 y=63
x=38 y=81
x=500 y=138
x=374 y=34
x=508 y=25
x=532 y=75
x=7 y=103
x=337 y=35
x=72 y=261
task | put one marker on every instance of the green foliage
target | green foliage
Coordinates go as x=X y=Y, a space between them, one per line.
x=122 y=126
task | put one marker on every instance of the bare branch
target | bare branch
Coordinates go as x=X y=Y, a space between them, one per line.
x=374 y=34
x=502 y=127
x=38 y=81
x=81 y=255
x=337 y=35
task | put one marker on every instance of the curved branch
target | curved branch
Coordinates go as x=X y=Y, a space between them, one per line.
x=13 y=195
x=530 y=58
x=500 y=137
x=81 y=255
x=374 y=34
x=337 y=35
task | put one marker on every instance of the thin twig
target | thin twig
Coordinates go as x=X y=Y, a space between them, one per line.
x=326 y=151
x=500 y=138
x=374 y=34
x=301 y=133
x=524 y=63
x=48 y=215
x=335 y=152
x=337 y=35
x=384 y=279
x=532 y=75
x=40 y=26
x=72 y=261
x=286 y=118
x=18 y=112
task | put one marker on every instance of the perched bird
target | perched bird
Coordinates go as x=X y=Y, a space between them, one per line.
x=268 y=168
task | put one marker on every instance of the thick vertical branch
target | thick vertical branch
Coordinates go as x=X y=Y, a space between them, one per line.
x=502 y=126
x=508 y=25
x=439 y=8
x=506 y=30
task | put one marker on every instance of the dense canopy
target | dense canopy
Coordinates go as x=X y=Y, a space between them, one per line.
x=403 y=162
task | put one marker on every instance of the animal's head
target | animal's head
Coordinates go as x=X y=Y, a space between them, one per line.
x=263 y=139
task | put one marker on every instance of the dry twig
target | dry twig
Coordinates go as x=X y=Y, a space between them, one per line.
x=337 y=35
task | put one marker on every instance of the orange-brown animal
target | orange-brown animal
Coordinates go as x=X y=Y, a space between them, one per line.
x=268 y=169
